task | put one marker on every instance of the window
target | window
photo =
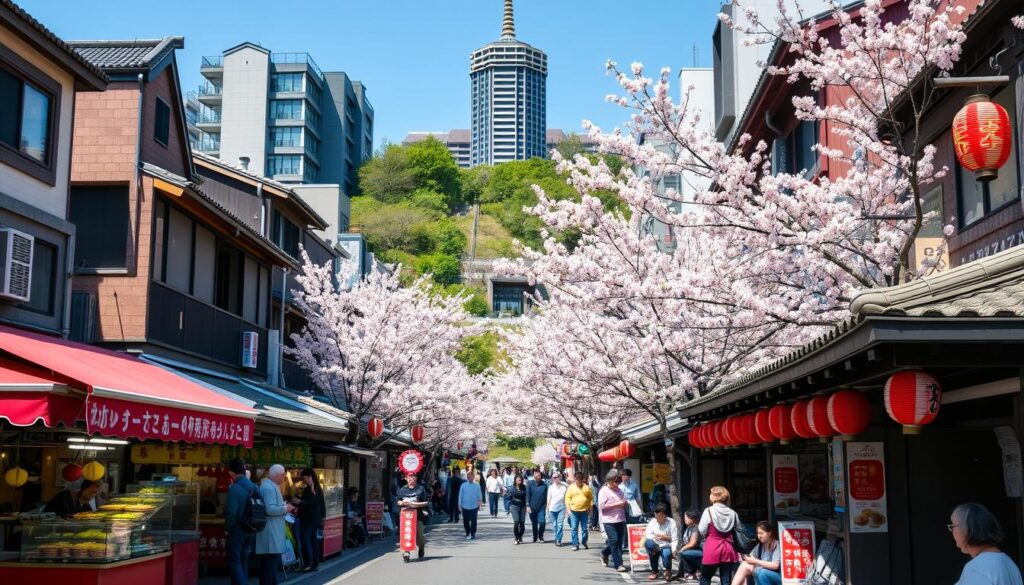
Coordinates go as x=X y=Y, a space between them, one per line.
x=286 y=235
x=286 y=82
x=284 y=164
x=100 y=214
x=229 y=277
x=179 y=251
x=162 y=122
x=795 y=153
x=44 y=278
x=286 y=109
x=978 y=200
x=26 y=118
x=286 y=136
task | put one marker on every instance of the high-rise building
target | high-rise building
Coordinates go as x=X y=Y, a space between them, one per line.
x=508 y=81
x=284 y=117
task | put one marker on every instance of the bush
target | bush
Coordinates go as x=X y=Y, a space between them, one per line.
x=514 y=443
x=444 y=269
x=476 y=306
x=431 y=200
x=450 y=240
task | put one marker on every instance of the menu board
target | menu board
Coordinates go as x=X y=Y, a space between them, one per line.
x=786 y=484
x=866 y=470
x=638 y=558
x=374 y=517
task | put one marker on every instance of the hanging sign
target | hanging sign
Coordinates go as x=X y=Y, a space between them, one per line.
x=176 y=454
x=411 y=461
x=124 y=419
x=838 y=475
x=407 y=529
x=866 y=470
x=375 y=517
x=639 y=561
x=797 y=539
x=786 y=484
x=288 y=454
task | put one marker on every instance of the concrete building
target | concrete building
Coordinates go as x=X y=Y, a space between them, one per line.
x=459 y=142
x=283 y=117
x=508 y=80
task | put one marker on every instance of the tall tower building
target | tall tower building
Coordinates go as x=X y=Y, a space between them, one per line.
x=509 y=101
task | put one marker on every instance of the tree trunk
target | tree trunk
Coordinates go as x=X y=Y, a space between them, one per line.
x=673 y=492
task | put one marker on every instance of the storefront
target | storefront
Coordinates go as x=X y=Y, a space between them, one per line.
x=949 y=349
x=68 y=411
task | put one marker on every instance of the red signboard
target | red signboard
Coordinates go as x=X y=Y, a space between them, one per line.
x=334 y=535
x=374 y=517
x=213 y=545
x=637 y=553
x=125 y=419
x=407 y=529
x=797 y=551
x=787 y=480
x=867 y=479
x=410 y=461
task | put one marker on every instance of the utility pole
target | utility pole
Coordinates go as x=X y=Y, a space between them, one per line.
x=472 y=244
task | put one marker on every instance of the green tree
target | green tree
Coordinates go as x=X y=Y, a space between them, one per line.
x=435 y=169
x=473 y=181
x=450 y=240
x=402 y=226
x=480 y=353
x=388 y=176
x=571 y=146
x=443 y=269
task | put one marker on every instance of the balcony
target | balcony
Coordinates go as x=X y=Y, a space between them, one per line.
x=208 y=117
x=208 y=143
x=297 y=59
x=190 y=325
x=209 y=93
x=212 y=67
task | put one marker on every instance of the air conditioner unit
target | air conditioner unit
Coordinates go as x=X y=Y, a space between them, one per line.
x=15 y=264
x=250 y=349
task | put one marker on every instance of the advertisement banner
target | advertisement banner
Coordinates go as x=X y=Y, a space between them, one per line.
x=638 y=558
x=797 y=540
x=866 y=470
x=176 y=454
x=288 y=454
x=653 y=473
x=407 y=529
x=786 y=484
x=375 y=517
x=123 y=419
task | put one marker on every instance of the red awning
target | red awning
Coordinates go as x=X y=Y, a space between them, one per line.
x=129 y=398
x=29 y=396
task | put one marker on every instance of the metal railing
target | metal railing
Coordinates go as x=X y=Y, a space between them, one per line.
x=210 y=89
x=208 y=143
x=208 y=117
x=212 y=61
x=297 y=58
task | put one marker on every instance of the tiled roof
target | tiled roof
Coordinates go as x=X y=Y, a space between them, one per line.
x=992 y=287
x=25 y=16
x=127 y=56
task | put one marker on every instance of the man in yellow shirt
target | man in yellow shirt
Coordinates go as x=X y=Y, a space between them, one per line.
x=579 y=498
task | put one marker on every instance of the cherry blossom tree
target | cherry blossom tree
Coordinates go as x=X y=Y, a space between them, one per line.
x=764 y=260
x=381 y=349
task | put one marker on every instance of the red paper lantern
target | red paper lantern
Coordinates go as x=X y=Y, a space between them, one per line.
x=747 y=430
x=375 y=427
x=780 y=423
x=626 y=450
x=71 y=472
x=731 y=436
x=849 y=413
x=417 y=434
x=912 y=398
x=609 y=455
x=458 y=445
x=764 y=433
x=981 y=137
x=719 y=433
x=695 y=437
x=817 y=417
x=798 y=416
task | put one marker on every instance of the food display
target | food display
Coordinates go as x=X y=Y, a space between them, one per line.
x=332 y=483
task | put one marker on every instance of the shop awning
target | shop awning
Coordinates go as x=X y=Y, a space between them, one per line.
x=128 y=398
x=353 y=450
x=29 y=396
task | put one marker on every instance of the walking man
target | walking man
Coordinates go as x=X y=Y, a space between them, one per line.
x=413 y=495
x=536 y=500
x=471 y=498
x=631 y=490
x=271 y=542
x=240 y=538
x=611 y=503
x=454 y=485
x=509 y=478
x=556 y=504
x=578 y=499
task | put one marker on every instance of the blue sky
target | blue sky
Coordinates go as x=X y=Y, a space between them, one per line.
x=413 y=54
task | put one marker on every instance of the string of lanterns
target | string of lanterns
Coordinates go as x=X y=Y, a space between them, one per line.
x=912 y=399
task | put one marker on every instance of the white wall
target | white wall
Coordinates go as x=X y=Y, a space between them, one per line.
x=702 y=101
x=51 y=199
x=244 y=113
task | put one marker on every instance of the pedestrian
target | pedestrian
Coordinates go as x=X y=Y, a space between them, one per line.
x=595 y=514
x=471 y=498
x=355 y=520
x=271 y=542
x=716 y=526
x=494 y=488
x=661 y=539
x=578 y=499
x=659 y=495
x=556 y=504
x=764 y=563
x=536 y=500
x=240 y=538
x=454 y=484
x=612 y=505
x=312 y=511
x=631 y=490
x=508 y=479
x=691 y=553
x=977 y=534
x=413 y=495
x=517 y=507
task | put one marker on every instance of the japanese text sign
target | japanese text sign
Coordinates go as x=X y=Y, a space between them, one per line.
x=411 y=461
x=866 y=471
x=797 y=540
x=175 y=453
x=407 y=529
x=786 y=484
x=374 y=517
x=121 y=418
x=288 y=454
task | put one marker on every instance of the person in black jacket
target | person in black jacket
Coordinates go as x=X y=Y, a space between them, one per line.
x=517 y=507
x=312 y=511
x=454 y=483
x=537 y=501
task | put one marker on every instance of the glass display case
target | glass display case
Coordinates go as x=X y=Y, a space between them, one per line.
x=179 y=518
x=332 y=482
x=91 y=537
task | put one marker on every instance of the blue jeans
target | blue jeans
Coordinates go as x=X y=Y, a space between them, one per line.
x=558 y=520
x=506 y=503
x=239 y=547
x=492 y=501
x=690 y=560
x=656 y=552
x=765 y=577
x=578 y=522
x=537 y=518
x=616 y=532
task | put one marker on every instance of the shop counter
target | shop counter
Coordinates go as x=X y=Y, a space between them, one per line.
x=149 y=569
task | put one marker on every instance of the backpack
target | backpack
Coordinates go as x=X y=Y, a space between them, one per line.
x=254 y=515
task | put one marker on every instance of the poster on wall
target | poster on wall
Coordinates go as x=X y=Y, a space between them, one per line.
x=653 y=473
x=866 y=470
x=797 y=540
x=374 y=517
x=786 y=484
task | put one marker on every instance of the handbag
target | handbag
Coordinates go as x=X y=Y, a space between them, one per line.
x=741 y=541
